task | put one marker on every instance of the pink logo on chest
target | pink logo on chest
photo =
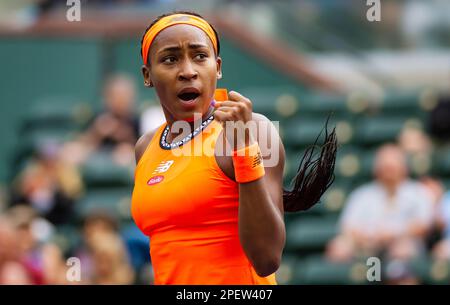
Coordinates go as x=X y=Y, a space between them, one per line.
x=155 y=180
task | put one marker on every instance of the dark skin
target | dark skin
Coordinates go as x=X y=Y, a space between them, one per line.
x=191 y=61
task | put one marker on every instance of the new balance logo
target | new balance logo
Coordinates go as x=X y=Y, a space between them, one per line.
x=257 y=160
x=163 y=167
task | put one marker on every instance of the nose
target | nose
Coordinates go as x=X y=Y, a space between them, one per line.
x=187 y=71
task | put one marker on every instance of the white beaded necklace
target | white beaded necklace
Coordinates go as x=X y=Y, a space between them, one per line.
x=163 y=142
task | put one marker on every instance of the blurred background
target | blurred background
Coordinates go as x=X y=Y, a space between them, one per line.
x=73 y=105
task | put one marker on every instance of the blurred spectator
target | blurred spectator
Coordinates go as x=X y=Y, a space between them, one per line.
x=151 y=118
x=111 y=262
x=94 y=222
x=418 y=147
x=54 y=266
x=434 y=188
x=137 y=244
x=12 y=270
x=26 y=256
x=340 y=249
x=440 y=119
x=19 y=14
x=115 y=129
x=399 y=272
x=129 y=245
x=420 y=19
x=98 y=221
x=391 y=215
x=103 y=263
x=435 y=191
x=49 y=185
x=442 y=248
x=414 y=141
x=117 y=123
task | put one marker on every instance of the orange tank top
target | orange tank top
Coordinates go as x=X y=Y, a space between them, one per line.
x=189 y=209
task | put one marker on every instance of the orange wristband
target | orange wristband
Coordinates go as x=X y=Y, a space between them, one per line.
x=248 y=164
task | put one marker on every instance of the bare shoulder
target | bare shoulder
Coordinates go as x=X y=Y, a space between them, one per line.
x=264 y=124
x=265 y=127
x=258 y=117
x=142 y=144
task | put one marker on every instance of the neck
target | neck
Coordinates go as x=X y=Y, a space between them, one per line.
x=391 y=188
x=192 y=125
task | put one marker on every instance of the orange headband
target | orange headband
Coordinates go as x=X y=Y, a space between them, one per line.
x=167 y=21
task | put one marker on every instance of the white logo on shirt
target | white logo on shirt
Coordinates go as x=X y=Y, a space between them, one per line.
x=163 y=167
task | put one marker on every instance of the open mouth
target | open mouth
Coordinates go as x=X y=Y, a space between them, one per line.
x=188 y=96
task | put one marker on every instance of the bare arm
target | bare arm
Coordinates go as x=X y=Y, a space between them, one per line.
x=261 y=222
x=261 y=225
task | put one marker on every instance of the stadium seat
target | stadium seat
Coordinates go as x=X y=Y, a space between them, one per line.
x=67 y=237
x=316 y=270
x=380 y=129
x=300 y=133
x=292 y=161
x=33 y=140
x=446 y=182
x=427 y=270
x=348 y=162
x=401 y=103
x=434 y=272
x=307 y=234
x=322 y=103
x=367 y=159
x=115 y=201
x=57 y=112
x=441 y=162
x=285 y=274
x=274 y=102
x=333 y=200
x=100 y=170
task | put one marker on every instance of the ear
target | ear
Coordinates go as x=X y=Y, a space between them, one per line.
x=147 y=77
x=219 y=67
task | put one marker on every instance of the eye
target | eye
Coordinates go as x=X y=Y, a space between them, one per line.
x=201 y=56
x=169 y=60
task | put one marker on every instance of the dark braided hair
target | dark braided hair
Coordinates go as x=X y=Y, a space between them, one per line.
x=315 y=174
x=173 y=13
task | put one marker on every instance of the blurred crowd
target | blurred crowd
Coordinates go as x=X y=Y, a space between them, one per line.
x=43 y=195
x=395 y=217
x=28 y=255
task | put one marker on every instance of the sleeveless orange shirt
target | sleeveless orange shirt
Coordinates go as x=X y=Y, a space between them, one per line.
x=189 y=209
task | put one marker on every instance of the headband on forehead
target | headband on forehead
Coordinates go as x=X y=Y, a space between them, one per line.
x=167 y=21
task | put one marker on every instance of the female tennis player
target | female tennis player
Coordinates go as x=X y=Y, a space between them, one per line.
x=212 y=217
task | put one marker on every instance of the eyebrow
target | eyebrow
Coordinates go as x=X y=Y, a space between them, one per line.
x=177 y=48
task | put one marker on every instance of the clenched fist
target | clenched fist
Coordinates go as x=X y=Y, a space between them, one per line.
x=235 y=115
